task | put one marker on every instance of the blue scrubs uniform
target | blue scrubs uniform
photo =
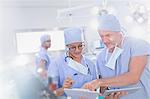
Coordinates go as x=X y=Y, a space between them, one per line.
x=131 y=47
x=59 y=71
x=43 y=55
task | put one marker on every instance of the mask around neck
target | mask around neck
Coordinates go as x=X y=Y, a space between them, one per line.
x=113 y=58
x=77 y=66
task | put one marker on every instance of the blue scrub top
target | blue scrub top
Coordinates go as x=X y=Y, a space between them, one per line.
x=43 y=55
x=59 y=71
x=131 y=47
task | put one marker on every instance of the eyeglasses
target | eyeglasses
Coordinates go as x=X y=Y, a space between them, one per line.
x=73 y=48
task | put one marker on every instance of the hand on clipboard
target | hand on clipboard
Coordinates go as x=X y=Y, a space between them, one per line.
x=78 y=93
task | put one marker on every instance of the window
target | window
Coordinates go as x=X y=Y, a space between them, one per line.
x=29 y=42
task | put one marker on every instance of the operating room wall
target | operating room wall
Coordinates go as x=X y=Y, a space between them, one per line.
x=16 y=19
x=19 y=18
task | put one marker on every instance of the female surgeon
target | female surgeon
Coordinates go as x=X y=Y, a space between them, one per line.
x=72 y=69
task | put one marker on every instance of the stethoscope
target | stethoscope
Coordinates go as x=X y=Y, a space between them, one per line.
x=67 y=57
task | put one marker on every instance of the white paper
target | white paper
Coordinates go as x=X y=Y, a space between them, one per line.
x=77 y=93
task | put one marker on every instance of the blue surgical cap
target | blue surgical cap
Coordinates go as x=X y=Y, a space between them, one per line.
x=109 y=22
x=72 y=35
x=44 y=38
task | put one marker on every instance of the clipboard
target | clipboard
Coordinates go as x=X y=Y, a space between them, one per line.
x=130 y=90
x=76 y=93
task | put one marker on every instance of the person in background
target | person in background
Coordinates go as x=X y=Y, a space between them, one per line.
x=123 y=63
x=72 y=69
x=42 y=58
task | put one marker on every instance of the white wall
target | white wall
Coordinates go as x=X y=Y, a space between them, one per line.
x=14 y=19
x=20 y=16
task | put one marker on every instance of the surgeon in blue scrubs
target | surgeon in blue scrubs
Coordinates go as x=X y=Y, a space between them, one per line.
x=72 y=69
x=123 y=63
x=42 y=58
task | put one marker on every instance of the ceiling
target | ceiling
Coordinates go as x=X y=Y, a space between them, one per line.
x=58 y=3
x=44 y=3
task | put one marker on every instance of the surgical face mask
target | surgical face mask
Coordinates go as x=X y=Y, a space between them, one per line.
x=113 y=58
x=111 y=63
x=77 y=66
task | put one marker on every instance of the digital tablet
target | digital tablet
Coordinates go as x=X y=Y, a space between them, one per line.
x=76 y=92
x=128 y=90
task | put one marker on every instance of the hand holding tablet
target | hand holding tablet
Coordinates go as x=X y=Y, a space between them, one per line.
x=128 y=90
x=76 y=92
